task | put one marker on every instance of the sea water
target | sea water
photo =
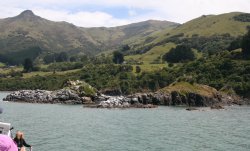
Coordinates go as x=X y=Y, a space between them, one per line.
x=74 y=128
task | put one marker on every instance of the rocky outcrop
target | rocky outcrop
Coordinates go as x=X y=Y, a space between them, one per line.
x=81 y=88
x=189 y=99
x=74 y=92
x=104 y=101
x=185 y=94
x=63 y=96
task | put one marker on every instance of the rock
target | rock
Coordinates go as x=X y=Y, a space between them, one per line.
x=87 y=100
x=104 y=101
x=191 y=109
x=62 y=96
x=246 y=101
x=217 y=106
x=81 y=88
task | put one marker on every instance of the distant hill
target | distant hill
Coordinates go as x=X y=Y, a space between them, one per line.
x=208 y=25
x=211 y=32
x=129 y=34
x=28 y=33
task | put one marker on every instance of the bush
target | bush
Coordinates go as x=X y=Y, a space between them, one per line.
x=242 y=17
x=56 y=57
x=28 y=65
x=245 y=44
x=137 y=69
x=118 y=57
x=236 y=44
x=179 y=54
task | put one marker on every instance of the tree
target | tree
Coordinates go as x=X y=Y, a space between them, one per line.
x=49 y=58
x=62 y=57
x=28 y=65
x=236 y=44
x=125 y=48
x=245 y=44
x=179 y=54
x=118 y=57
x=137 y=69
x=73 y=59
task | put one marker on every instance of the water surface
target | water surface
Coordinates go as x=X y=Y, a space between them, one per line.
x=74 y=128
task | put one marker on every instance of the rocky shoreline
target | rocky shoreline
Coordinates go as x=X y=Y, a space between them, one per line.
x=72 y=95
x=139 y=100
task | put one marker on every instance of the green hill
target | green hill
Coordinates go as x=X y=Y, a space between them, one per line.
x=26 y=32
x=210 y=34
x=210 y=25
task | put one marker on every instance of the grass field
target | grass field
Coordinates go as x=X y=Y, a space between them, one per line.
x=39 y=73
x=152 y=56
x=8 y=70
x=149 y=67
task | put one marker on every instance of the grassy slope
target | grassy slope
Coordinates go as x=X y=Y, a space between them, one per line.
x=39 y=73
x=184 y=87
x=154 y=54
x=36 y=73
x=152 y=60
x=202 y=26
x=208 y=26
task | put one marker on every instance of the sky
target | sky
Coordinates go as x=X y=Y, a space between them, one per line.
x=110 y=13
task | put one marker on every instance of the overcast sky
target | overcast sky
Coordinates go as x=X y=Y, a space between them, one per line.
x=95 y=13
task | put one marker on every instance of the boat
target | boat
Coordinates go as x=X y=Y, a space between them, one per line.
x=5 y=129
x=6 y=142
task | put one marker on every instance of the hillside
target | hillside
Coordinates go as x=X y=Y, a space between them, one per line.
x=28 y=35
x=209 y=25
x=206 y=33
x=131 y=34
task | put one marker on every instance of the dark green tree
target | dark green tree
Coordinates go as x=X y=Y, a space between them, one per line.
x=73 y=59
x=125 y=48
x=245 y=44
x=179 y=54
x=236 y=44
x=118 y=57
x=50 y=58
x=62 y=57
x=28 y=65
x=137 y=69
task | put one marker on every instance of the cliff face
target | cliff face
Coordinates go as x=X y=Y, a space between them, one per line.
x=186 y=94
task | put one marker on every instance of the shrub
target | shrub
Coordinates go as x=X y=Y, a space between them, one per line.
x=137 y=69
x=179 y=54
x=245 y=44
x=242 y=17
x=118 y=57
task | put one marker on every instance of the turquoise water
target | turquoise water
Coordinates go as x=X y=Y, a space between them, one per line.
x=74 y=128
